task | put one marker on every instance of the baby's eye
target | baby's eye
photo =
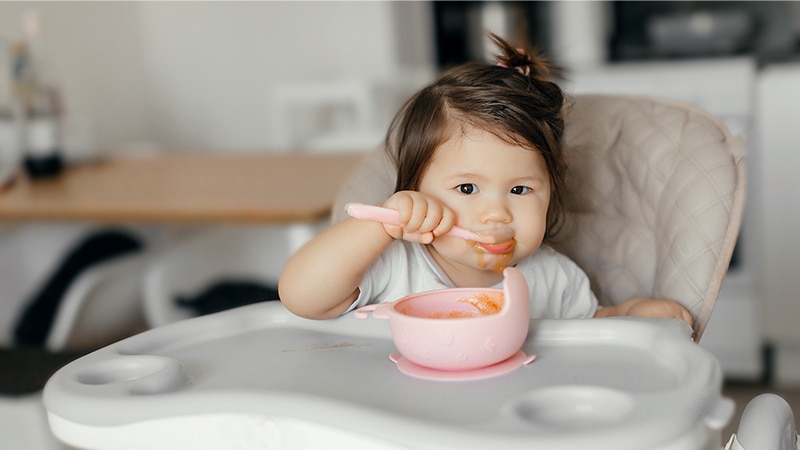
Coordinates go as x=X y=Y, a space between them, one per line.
x=520 y=190
x=467 y=188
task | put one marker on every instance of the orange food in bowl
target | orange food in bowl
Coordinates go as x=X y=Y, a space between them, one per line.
x=485 y=303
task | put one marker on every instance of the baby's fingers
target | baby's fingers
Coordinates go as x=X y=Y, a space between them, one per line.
x=687 y=317
x=418 y=214
x=446 y=223
x=432 y=219
x=438 y=221
x=422 y=238
x=422 y=218
x=411 y=208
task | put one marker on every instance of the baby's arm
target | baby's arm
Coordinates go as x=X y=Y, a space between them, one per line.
x=321 y=279
x=647 y=307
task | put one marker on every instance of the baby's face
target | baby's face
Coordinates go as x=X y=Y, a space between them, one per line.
x=488 y=183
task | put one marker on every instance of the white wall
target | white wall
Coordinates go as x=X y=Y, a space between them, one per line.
x=195 y=74
x=209 y=64
x=778 y=107
x=778 y=100
x=96 y=51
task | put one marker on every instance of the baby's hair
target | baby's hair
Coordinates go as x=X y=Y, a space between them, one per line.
x=516 y=100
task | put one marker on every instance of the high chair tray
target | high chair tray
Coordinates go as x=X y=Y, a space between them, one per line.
x=260 y=377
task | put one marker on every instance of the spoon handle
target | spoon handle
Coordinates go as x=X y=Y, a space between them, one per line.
x=392 y=217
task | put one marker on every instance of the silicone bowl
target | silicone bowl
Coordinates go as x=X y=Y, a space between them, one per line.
x=444 y=330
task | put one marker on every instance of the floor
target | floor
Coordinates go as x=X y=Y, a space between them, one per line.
x=23 y=423
x=23 y=419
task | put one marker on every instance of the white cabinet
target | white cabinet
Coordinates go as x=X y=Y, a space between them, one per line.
x=778 y=116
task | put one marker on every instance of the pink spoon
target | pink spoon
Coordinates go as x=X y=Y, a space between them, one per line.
x=392 y=217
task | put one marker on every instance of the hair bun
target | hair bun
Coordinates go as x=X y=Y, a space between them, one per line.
x=528 y=63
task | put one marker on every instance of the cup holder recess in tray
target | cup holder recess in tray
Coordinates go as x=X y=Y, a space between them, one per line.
x=574 y=406
x=143 y=374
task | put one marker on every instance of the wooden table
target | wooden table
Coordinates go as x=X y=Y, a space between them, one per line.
x=185 y=188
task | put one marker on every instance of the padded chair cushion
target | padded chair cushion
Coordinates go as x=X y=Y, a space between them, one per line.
x=656 y=190
x=654 y=201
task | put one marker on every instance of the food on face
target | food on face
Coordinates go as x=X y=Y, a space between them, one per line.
x=497 y=248
x=502 y=254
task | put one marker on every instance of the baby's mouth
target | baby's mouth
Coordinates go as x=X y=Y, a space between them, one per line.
x=497 y=249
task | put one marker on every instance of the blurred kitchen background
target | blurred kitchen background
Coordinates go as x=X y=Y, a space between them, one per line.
x=148 y=77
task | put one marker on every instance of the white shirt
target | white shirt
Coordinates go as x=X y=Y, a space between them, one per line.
x=558 y=287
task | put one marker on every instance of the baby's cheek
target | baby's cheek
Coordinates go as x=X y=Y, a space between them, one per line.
x=528 y=241
x=523 y=251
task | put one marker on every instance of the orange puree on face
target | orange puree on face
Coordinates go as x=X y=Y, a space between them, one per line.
x=501 y=260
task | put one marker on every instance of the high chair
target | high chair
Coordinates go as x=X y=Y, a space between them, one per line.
x=655 y=197
x=255 y=253
x=656 y=191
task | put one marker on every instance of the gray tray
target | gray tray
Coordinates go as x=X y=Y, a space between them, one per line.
x=262 y=372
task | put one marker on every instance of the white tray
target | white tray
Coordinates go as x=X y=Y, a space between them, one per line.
x=259 y=373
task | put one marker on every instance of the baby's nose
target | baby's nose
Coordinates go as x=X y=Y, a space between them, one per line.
x=495 y=211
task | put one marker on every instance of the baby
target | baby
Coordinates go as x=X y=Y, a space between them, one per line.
x=480 y=148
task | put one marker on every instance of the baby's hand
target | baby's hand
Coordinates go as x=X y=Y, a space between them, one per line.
x=647 y=307
x=422 y=218
x=658 y=308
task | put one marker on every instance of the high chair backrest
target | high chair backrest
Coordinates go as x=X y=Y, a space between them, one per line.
x=655 y=197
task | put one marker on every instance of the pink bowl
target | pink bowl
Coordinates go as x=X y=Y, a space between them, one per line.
x=444 y=330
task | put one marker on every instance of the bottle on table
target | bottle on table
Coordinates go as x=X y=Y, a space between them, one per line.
x=39 y=104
